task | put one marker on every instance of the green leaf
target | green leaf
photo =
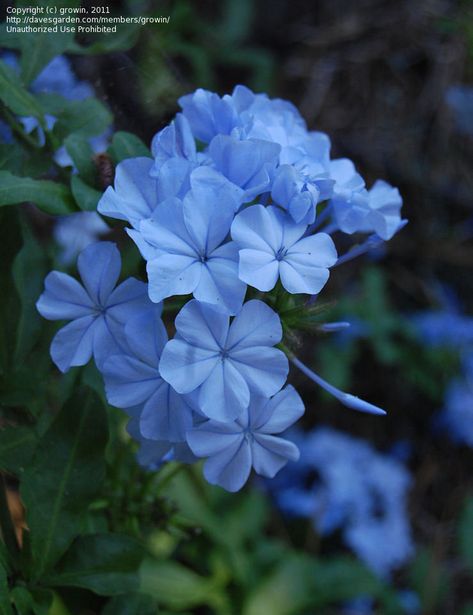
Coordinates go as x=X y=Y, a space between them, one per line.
x=42 y=601
x=86 y=197
x=17 y=445
x=50 y=197
x=465 y=534
x=131 y=604
x=106 y=564
x=78 y=148
x=127 y=145
x=176 y=586
x=87 y=117
x=22 y=600
x=29 y=271
x=125 y=38
x=11 y=157
x=14 y=95
x=5 y=604
x=430 y=579
x=65 y=475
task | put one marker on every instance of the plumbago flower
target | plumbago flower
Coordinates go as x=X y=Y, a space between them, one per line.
x=97 y=308
x=237 y=215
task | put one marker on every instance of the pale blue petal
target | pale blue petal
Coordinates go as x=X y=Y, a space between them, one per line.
x=99 y=267
x=73 y=344
x=299 y=277
x=224 y=395
x=166 y=415
x=128 y=381
x=208 y=218
x=278 y=413
x=167 y=231
x=202 y=325
x=264 y=369
x=172 y=274
x=255 y=228
x=134 y=196
x=130 y=297
x=172 y=178
x=109 y=339
x=271 y=453
x=146 y=336
x=63 y=298
x=175 y=140
x=219 y=285
x=205 y=180
x=231 y=468
x=256 y=325
x=211 y=438
x=186 y=367
x=258 y=269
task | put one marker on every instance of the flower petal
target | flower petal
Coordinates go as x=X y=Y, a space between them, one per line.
x=264 y=369
x=63 y=298
x=231 y=468
x=211 y=438
x=271 y=453
x=172 y=274
x=128 y=381
x=146 y=336
x=202 y=325
x=185 y=367
x=258 y=269
x=134 y=196
x=255 y=228
x=99 y=267
x=219 y=285
x=167 y=231
x=73 y=344
x=278 y=413
x=255 y=325
x=224 y=395
x=166 y=415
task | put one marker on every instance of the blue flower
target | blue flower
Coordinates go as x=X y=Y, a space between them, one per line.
x=190 y=255
x=291 y=191
x=355 y=489
x=132 y=379
x=57 y=77
x=271 y=246
x=97 y=309
x=457 y=415
x=174 y=141
x=234 y=448
x=208 y=114
x=250 y=164
x=75 y=232
x=226 y=362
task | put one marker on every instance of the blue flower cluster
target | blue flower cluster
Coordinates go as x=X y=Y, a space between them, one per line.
x=450 y=328
x=342 y=483
x=238 y=200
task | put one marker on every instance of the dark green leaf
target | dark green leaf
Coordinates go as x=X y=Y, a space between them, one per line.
x=29 y=271
x=65 y=475
x=17 y=445
x=22 y=600
x=51 y=197
x=132 y=604
x=465 y=534
x=126 y=145
x=124 y=39
x=11 y=157
x=86 y=117
x=5 y=604
x=86 y=197
x=78 y=148
x=42 y=602
x=106 y=564
x=15 y=96
x=430 y=579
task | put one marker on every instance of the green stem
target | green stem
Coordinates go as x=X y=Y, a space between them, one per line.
x=15 y=126
x=6 y=524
